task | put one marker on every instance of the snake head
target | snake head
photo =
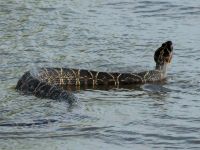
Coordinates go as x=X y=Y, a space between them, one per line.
x=163 y=55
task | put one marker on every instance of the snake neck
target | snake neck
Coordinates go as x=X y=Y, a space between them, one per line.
x=162 y=68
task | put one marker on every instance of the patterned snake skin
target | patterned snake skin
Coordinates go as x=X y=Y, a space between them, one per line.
x=65 y=76
x=50 y=82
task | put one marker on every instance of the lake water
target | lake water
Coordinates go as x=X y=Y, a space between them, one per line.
x=103 y=35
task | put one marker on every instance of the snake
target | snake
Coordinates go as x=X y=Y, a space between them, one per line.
x=52 y=82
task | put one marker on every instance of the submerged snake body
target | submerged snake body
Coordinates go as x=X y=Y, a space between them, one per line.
x=30 y=84
x=49 y=82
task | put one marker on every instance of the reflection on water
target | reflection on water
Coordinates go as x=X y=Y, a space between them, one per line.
x=105 y=36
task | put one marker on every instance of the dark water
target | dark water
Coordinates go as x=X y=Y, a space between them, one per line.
x=106 y=35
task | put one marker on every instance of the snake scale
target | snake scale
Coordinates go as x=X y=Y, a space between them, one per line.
x=49 y=82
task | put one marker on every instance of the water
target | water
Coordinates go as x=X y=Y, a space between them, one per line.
x=114 y=35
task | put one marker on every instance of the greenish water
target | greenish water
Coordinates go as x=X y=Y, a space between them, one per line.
x=112 y=35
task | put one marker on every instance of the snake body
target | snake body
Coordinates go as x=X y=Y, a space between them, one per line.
x=79 y=77
x=49 y=82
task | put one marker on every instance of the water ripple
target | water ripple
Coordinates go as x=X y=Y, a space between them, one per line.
x=106 y=36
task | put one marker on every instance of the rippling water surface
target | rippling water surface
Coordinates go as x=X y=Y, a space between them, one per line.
x=104 y=35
